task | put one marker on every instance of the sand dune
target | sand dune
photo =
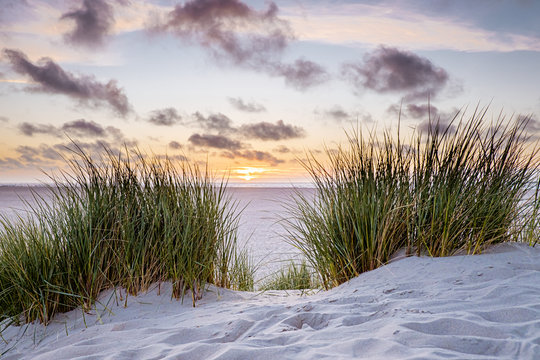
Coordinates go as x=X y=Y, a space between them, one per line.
x=467 y=307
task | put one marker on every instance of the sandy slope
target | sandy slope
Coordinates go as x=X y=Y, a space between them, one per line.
x=467 y=307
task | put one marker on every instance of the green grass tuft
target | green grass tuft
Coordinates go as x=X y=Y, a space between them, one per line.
x=455 y=189
x=123 y=220
x=292 y=277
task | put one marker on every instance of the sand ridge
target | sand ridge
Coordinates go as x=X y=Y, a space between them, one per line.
x=474 y=307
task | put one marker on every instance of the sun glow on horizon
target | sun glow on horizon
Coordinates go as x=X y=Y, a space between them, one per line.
x=249 y=173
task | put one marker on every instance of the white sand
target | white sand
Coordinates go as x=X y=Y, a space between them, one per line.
x=466 y=307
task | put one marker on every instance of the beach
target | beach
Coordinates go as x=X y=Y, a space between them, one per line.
x=462 y=307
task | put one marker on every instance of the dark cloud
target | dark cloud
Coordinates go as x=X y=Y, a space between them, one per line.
x=268 y=131
x=215 y=141
x=29 y=129
x=175 y=145
x=51 y=78
x=83 y=128
x=93 y=22
x=251 y=107
x=165 y=117
x=301 y=75
x=218 y=25
x=421 y=111
x=235 y=32
x=389 y=69
x=4 y=119
x=75 y=129
x=214 y=122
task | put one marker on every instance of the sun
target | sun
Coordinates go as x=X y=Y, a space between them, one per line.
x=249 y=173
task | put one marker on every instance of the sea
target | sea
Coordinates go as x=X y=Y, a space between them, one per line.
x=262 y=231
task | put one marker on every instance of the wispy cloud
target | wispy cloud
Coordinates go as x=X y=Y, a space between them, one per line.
x=228 y=28
x=80 y=128
x=223 y=125
x=301 y=74
x=255 y=155
x=390 y=70
x=93 y=22
x=175 y=145
x=220 y=123
x=250 y=107
x=215 y=141
x=83 y=128
x=236 y=33
x=50 y=78
x=30 y=129
x=268 y=131
x=421 y=111
x=165 y=117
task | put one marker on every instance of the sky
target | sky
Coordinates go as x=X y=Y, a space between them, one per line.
x=250 y=87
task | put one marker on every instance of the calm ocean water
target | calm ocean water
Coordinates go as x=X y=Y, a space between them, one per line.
x=260 y=229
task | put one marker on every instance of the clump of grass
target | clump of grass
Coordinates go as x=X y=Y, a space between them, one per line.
x=292 y=277
x=458 y=188
x=242 y=272
x=123 y=220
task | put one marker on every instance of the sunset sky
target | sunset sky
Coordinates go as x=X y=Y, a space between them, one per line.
x=250 y=86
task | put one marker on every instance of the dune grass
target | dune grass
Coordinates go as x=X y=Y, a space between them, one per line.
x=292 y=277
x=122 y=220
x=457 y=188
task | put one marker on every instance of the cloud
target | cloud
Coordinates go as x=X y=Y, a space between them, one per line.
x=282 y=149
x=437 y=126
x=83 y=128
x=4 y=119
x=253 y=155
x=259 y=156
x=338 y=114
x=50 y=78
x=215 y=141
x=93 y=22
x=39 y=155
x=29 y=129
x=175 y=145
x=268 y=131
x=165 y=117
x=236 y=33
x=531 y=125
x=251 y=107
x=301 y=75
x=228 y=28
x=80 y=128
x=390 y=70
x=10 y=163
x=421 y=111
x=214 y=122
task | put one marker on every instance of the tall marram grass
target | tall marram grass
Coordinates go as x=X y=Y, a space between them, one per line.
x=124 y=220
x=454 y=189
